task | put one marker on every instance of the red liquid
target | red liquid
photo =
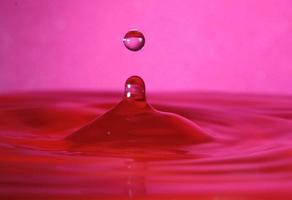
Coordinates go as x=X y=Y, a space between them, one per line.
x=250 y=156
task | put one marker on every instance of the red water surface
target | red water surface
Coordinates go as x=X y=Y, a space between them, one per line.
x=249 y=156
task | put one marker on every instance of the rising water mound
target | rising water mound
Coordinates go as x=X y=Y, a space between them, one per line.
x=133 y=121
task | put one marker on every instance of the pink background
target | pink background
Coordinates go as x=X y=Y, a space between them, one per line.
x=227 y=45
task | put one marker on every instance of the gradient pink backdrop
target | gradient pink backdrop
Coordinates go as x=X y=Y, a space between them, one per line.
x=227 y=45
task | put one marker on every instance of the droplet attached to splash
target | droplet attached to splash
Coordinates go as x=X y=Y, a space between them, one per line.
x=134 y=40
x=134 y=122
x=135 y=89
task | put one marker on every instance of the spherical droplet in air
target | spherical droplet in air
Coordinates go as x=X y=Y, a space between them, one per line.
x=134 y=40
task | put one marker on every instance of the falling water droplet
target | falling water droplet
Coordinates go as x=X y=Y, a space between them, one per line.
x=134 y=40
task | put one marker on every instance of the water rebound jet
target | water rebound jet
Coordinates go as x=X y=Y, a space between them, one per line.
x=133 y=121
